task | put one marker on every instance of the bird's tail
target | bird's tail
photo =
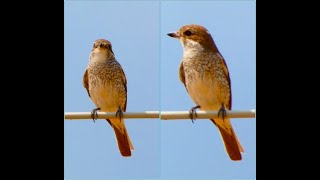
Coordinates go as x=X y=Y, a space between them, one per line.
x=123 y=140
x=231 y=142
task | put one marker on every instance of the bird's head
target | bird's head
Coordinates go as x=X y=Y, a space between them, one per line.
x=194 y=37
x=104 y=47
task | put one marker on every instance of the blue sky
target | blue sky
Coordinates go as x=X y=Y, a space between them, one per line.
x=150 y=60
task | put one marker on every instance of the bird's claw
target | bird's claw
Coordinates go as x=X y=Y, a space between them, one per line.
x=119 y=113
x=222 y=111
x=94 y=114
x=193 y=113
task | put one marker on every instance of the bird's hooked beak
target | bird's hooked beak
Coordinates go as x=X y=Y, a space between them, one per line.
x=100 y=45
x=174 y=35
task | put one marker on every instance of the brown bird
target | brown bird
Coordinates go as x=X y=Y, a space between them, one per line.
x=204 y=73
x=106 y=85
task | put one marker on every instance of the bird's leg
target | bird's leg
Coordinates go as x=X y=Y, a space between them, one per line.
x=193 y=113
x=94 y=114
x=223 y=112
x=119 y=113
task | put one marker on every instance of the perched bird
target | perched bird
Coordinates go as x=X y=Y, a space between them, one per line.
x=106 y=85
x=204 y=73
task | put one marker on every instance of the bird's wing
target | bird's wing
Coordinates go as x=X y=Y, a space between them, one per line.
x=124 y=81
x=181 y=75
x=226 y=73
x=85 y=81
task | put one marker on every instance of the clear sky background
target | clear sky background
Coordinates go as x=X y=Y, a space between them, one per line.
x=150 y=60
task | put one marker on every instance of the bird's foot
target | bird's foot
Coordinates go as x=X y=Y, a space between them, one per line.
x=222 y=111
x=119 y=113
x=94 y=114
x=193 y=114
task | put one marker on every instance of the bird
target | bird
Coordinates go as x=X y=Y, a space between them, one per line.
x=205 y=75
x=106 y=85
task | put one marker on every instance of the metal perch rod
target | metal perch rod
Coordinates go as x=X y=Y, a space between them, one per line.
x=164 y=115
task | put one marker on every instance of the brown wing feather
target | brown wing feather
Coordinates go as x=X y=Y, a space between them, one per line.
x=85 y=81
x=124 y=81
x=181 y=75
x=226 y=72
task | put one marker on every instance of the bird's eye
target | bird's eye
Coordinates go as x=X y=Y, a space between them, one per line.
x=188 y=33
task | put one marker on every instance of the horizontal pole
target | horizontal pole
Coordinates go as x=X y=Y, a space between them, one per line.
x=175 y=115
x=109 y=115
x=165 y=115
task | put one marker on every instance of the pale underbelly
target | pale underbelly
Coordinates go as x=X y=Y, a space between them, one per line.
x=107 y=98
x=206 y=94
